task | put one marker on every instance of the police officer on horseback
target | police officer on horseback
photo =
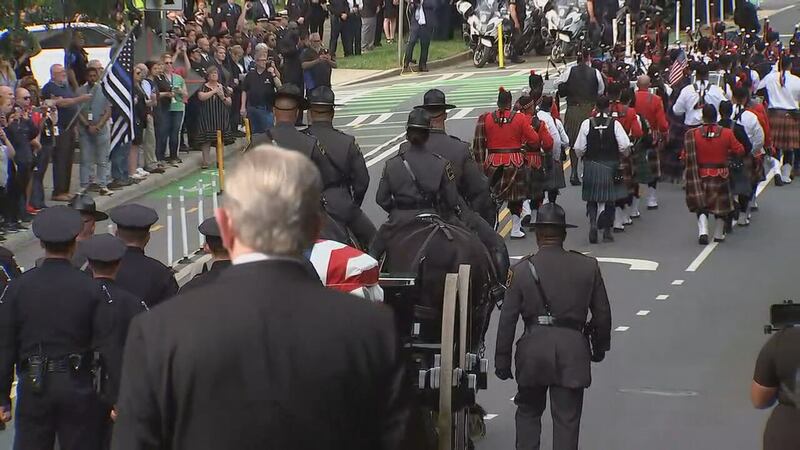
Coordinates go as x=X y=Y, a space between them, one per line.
x=415 y=181
x=553 y=355
x=347 y=182
x=477 y=208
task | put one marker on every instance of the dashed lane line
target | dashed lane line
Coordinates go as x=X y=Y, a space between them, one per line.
x=643 y=313
x=622 y=328
x=506 y=230
x=461 y=114
x=382 y=118
x=662 y=297
x=678 y=282
x=358 y=120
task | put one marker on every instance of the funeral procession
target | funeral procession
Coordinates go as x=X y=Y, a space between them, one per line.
x=399 y=224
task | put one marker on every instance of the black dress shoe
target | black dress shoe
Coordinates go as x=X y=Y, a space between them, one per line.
x=423 y=69
x=593 y=236
x=703 y=239
x=607 y=236
x=574 y=181
x=778 y=180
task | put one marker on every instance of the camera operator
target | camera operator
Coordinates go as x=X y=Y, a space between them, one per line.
x=776 y=381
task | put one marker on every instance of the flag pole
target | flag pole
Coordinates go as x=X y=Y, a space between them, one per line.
x=111 y=63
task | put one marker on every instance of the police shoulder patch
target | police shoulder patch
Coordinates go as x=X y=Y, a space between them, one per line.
x=448 y=169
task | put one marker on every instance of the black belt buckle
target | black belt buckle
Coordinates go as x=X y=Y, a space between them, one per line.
x=75 y=362
x=546 y=321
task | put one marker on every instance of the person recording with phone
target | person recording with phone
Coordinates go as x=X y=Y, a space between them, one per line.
x=776 y=380
x=258 y=93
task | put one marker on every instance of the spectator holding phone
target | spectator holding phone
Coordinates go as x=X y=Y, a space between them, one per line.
x=23 y=135
x=258 y=93
x=317 y=64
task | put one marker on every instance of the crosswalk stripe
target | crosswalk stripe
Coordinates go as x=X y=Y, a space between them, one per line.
x=358 y=120
x=503 y=214
x=506 y=230
x=463 y=76
x=382 y=118
x=462 y=113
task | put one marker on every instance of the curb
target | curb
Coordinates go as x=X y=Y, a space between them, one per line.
x=191 y=163
x=438 y=64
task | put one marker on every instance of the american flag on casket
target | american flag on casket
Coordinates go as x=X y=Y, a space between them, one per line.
x=347 y=269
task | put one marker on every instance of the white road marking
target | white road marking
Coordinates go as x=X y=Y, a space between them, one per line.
x=382 y=118
x=384 y=155
x=14 y=389
x=358 y=120
x=785 y=8
x=463 y=76
x=643 y=312
x=523 y=72
x=701 y=257
x=622 y=328
x=662 y=297
x=489 y=416
x=460 y=115
x=384 y=145
x=635 y=264
x=376 y=136
x=677 y=282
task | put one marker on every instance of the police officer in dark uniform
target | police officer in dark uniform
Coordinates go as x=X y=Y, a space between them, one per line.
x=48 y=321
x=228 y=13
x=104 y=253
x=143 y=276
x=346 y=184
x=581 y=85
x=777 y=380
x=9 y=269
x=221 y=260
x=415 y=181
x=289 y=101
x=475 y=201
x=552 y=354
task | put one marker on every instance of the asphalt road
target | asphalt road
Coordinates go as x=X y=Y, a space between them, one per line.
x=687 y=318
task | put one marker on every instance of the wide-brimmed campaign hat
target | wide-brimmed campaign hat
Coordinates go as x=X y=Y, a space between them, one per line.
x=551 y=214
x=435 y=99
x=293 y=92
x=85 y=205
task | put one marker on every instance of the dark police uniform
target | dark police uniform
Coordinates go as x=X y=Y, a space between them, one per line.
x=344 y=171
x=286 y=343
x=228 y=13
x=777 y=367
x=145 y=277
x=48 y=322
x=210 y=230
x=553 y=358
x=9 y=269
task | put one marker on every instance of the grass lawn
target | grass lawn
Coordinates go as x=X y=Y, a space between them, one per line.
x=385 y=57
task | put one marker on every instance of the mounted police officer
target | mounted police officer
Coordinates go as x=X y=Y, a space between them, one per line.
x=553 y=355
x=345 y=175
x=221 y=260
x=48 y=321
x=415 y=181
x=145 y=277
x=477 y=209
x=581 y=85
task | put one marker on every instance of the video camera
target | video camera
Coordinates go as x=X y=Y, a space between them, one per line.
x=783 y=315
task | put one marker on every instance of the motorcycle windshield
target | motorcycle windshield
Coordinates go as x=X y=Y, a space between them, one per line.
x=485 y=9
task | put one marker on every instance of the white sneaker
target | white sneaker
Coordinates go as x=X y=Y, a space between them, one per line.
x=702 y=229
x=619 y=223
x=719 y=230
x=516 y=228
x=786 y=173
x=136 y=176
x=652 y=199
x=634 y=210
x=142 y=172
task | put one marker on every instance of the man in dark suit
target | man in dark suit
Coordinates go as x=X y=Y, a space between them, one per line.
x=552 y=355
x=265 y=357
x=256 y=10
x=422 y=21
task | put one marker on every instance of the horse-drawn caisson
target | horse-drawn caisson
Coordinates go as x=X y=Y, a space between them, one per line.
x=439 y=278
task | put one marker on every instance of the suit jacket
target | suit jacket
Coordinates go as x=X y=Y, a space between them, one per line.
x=552 y=356
x=265 y=357
x=428 y=6
x=257 y=11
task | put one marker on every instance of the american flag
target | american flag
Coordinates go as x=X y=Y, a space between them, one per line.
x=678 y=68
x=117 y=85
x=346 y=269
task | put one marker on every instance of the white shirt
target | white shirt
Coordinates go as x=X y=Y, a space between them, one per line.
x=147 y=87
x=601 y=86
x=355 y=5
x=752 y=127
x=419 y=14
x=623 y=142
x=555 y=133
x=258 y=257
x=267 y=10
x=688 y=98
x=781 y=97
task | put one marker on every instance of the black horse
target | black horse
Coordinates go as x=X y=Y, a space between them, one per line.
x=428 y=248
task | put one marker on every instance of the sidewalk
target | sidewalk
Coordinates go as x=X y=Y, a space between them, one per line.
x=191 y=163
x=345 y=77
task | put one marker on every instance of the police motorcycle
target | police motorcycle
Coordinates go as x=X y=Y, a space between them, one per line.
x=535 y=36
x=566 y=26
x=481 y=24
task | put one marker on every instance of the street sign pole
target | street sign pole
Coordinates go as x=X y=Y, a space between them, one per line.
x=401 y=19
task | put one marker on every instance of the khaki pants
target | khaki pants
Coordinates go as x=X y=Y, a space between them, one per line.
x=149 y=144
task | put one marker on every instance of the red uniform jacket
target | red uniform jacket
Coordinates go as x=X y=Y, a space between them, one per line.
x=712 y=154
x=630 y=121
x=513 y=135
x=761 y=113
x=545 y=143
x=651 y=107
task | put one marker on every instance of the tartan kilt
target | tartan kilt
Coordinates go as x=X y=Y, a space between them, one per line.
x=784 y=129
x=573 y=119
x=626 y=167
x=598 y=182
x=513 y=183
x=717 y=193
x=759 y=174
x=555 y=177
x=537 y=181
x=645 y=166
x=742 y=181
x=671 y=165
